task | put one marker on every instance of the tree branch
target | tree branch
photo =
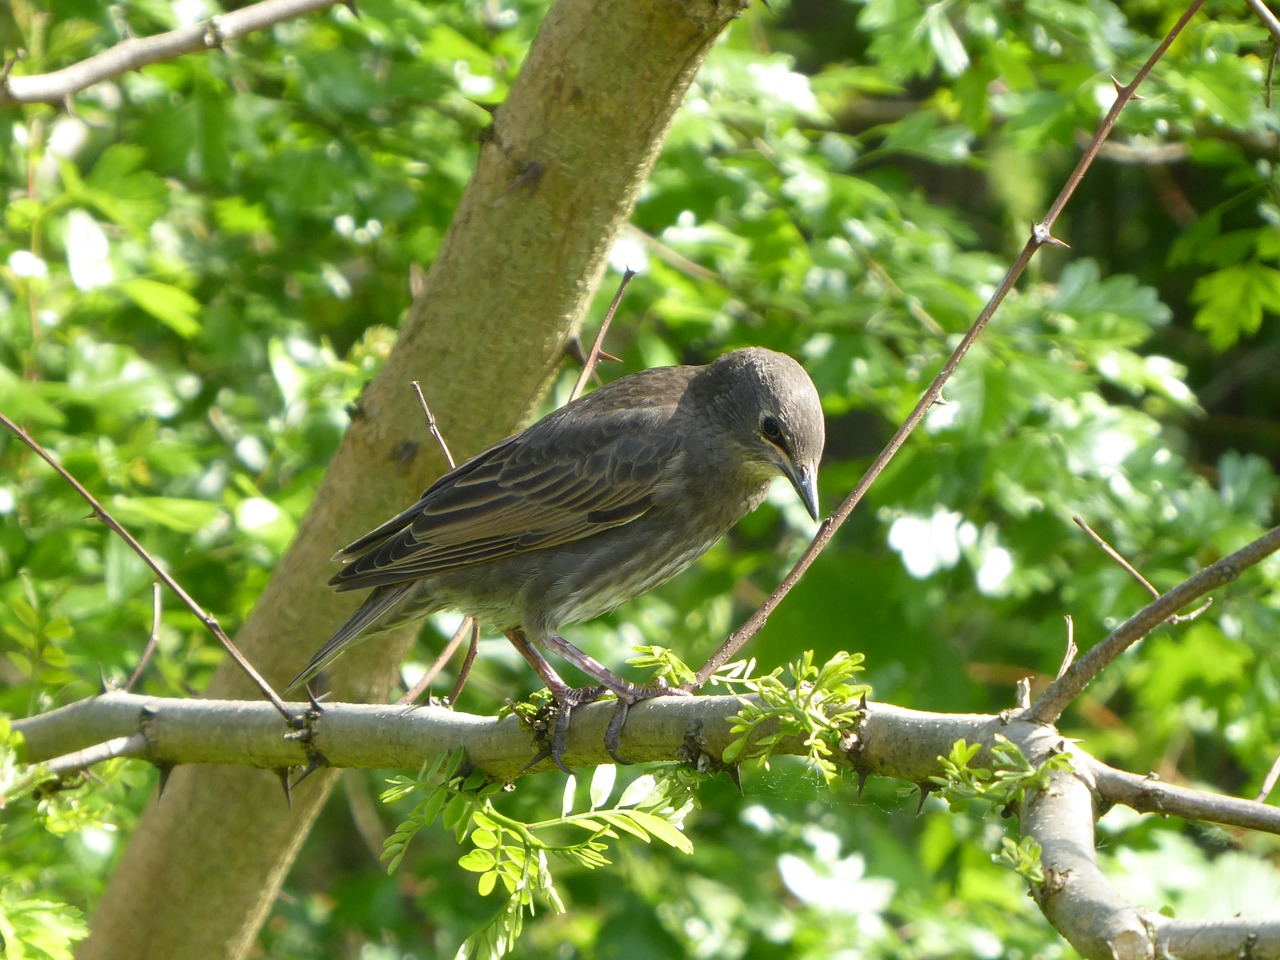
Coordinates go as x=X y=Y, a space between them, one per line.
x=889 y=741
x=1078 y=900
x=1080 y=674
x=1041 y=234
x=138 y=52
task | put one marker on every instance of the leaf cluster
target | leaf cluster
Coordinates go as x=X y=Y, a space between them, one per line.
x=513 y=854
x=819 y=703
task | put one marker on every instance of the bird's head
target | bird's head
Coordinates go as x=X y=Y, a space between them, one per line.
x=775 y=416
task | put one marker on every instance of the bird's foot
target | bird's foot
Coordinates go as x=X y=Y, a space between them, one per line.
x=555 y=740
x=627 y=698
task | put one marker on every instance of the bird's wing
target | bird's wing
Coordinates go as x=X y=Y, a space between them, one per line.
x=559 y=481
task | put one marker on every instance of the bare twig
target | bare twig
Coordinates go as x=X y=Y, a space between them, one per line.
x=1041 y=234
x=152 y=640
x=1128 y=568
x=468 y=623
x=465 y=670
x=1114 y=554
x=589 y=366
x=134 y=745
x=1269 y=20
x=1069 y=655
x=1269 y=781
x=210 y=622
x=1022 y=693
x=1079 y=675
x=433 y=426
x=135 y=53
x=410 y=698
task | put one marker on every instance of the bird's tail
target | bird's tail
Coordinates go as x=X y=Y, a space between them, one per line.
x=375 y=607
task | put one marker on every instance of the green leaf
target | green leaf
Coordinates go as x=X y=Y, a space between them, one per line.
x=172 y=513
x=662 y=830
x=175 y=308
x=1233 y=300
x=602 y=781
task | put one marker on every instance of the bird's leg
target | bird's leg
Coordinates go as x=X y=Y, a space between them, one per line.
x=566 y=697
x=628 y=693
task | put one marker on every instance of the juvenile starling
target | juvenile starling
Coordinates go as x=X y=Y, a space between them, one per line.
x=598 y=502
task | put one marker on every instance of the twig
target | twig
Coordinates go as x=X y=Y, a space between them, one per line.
x=152 y=640
x=1069 y=654
x=410 y=698
x=468 y=623
x=465 y=670
x=210 y=622
x=672 y=258
x=1114 y=554
x=1128 y=568
x=1149 y=795
x=1041 y=234
x=593 y=357
x=135 y=53
x=433 y=426
x=1269 y=781
x=1067 y=687
x=1269 y=20
x=134 y=745
x=1022 y=693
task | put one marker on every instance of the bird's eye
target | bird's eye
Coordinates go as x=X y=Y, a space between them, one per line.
x=771 y=429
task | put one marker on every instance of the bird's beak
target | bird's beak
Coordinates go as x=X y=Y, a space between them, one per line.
x=805 y=479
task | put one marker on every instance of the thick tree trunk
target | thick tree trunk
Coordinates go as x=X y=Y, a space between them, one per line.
x=556 y=179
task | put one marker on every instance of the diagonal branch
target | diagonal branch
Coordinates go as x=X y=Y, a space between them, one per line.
x=1041 y=234
x=1080 y=674
x=208 y=619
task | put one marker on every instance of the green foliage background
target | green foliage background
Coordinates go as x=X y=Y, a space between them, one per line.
x=199 y=270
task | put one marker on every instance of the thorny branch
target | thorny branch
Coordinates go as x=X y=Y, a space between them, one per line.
x=207 y=619
x=1041 y=234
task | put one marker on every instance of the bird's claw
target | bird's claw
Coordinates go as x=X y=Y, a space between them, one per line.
x=626 y=700
x=567 y=700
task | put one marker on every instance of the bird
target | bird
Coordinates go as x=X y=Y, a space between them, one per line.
x=597 y=503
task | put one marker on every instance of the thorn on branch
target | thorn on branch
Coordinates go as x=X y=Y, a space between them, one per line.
x=1041 y=235
x=317 y=761
x=925 y=790
x=165 y=770
x=735 y=777
x=283 y=774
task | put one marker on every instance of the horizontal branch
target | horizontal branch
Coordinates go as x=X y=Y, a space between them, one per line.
x=888 y=741
x=138 y=52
